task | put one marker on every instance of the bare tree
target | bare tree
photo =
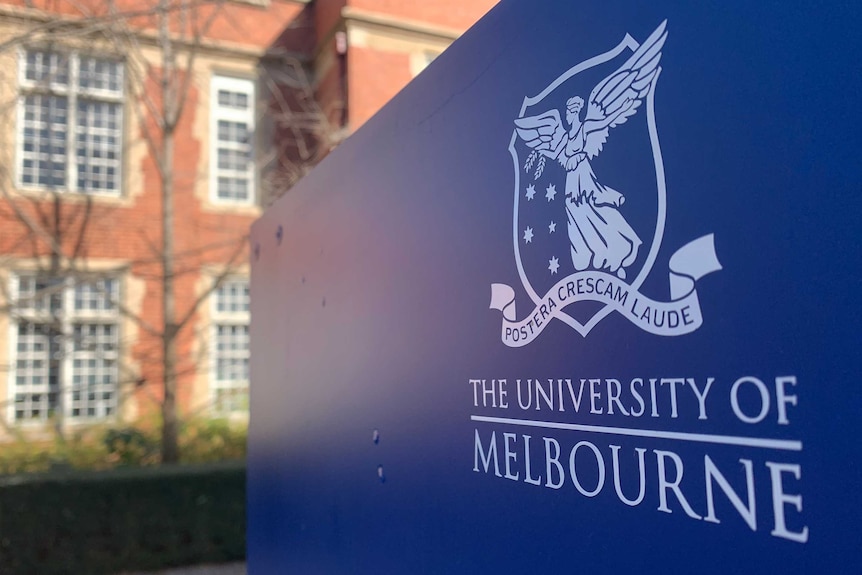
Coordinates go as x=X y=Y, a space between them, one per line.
x=304 y=134
x=56 y=229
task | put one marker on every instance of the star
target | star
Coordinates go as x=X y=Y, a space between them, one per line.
x=528 y=235
x=552 y=227
x=553 y=265
x=551 y=192
x=531 y=191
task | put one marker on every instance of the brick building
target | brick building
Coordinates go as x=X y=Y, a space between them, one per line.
x=83 y=125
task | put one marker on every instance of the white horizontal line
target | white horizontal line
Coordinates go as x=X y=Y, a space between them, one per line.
x=785 y=444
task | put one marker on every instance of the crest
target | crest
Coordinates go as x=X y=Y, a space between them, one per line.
x=590 y=200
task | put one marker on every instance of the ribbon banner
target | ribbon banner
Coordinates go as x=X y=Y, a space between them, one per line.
x=679 y=316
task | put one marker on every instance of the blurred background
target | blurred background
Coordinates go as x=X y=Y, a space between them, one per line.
x=138 y=142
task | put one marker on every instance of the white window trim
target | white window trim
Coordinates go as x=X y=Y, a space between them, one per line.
x=71 y=91
x=225 y=318
x=68 y=348
x=234 y=84
x=14 y=292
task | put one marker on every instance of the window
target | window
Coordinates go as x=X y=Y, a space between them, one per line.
x=230 y=343
x=232 y=174
x=66 y=349
x=70 y=122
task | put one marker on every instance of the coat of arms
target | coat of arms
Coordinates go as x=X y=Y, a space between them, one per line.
x=578 y=237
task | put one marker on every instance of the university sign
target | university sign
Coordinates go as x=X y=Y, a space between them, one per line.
x=542 y=461
x=664 y=203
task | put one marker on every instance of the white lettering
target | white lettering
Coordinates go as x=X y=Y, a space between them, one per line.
x=594 y=395
x=527 y=477
x=480 y=453
x=782 y=399
x=614 y=390
x=601 y=464
x=701 y=395
x=511 y=456
x=664 y=484
x=576 y=401
x=638 y=397
x=764 y=399
x=553 y=460
x=673 y=381
x=615 y=451
x=747 y=512
x=780 y=499
x=654 y=411
x=529 y=396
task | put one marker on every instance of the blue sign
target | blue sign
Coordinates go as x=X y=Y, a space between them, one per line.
x=582 y=298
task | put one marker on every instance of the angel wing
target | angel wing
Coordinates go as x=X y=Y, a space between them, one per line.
x=617 y=97
x=544 y=133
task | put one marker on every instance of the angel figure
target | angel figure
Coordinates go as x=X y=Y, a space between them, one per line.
x=599 y=235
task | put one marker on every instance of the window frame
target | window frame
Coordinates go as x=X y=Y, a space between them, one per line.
x=69 y=320
x=72 y=92
x=216 y=112
x=227 y=319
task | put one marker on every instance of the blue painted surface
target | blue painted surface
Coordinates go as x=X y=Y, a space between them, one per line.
x=373 y=312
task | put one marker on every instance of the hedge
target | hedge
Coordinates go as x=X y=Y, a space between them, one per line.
x=122 y=520
x=99 y=448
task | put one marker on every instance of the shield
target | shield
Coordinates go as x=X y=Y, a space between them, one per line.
x=631 y=162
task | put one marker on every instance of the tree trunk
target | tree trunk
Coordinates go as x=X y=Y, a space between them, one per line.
x=170 y=425
x=170 y=449
x=57 y=323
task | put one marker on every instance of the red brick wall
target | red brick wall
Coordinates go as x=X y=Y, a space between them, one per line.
x=458 y=14
x=331 y=94
x=374 y=77
x=327 y=15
